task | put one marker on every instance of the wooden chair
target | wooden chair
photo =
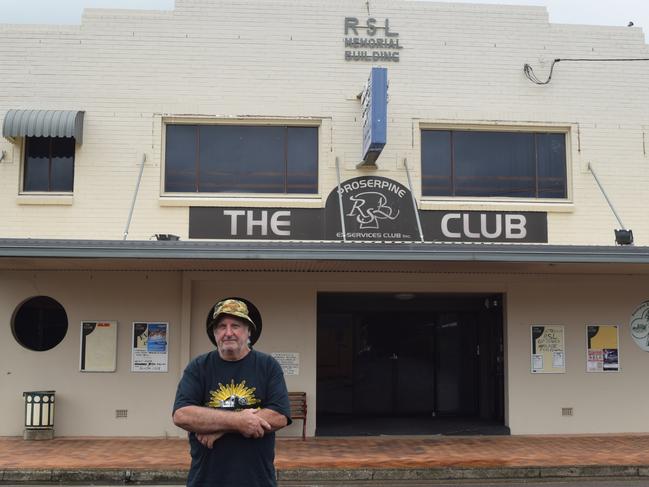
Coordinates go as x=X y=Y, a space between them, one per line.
x=298 y=408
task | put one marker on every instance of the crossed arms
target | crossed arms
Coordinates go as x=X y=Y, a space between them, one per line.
x=210 y=424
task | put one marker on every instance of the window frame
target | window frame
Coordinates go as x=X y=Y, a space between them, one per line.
x=176 y=198
x=554 y=204
x=23 y=168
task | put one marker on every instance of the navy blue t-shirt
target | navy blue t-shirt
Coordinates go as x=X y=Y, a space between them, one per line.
x=255 y=381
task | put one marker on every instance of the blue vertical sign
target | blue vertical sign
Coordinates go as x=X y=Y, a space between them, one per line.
x=374 y=106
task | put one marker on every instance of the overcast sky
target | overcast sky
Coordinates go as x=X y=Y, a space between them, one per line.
x=594 y=12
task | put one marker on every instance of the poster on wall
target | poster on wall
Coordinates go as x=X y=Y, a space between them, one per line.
x=150 y=350
x=602 y=348
x=98 y=346
x=548 y=349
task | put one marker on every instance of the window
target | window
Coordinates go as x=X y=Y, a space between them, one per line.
x=481 y=163
x=49 y=164
x=241 y=159
x=39 y=323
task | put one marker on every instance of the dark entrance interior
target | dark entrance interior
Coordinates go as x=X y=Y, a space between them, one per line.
x=404 y=364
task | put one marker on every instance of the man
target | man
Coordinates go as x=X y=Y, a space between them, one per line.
x=231 y=401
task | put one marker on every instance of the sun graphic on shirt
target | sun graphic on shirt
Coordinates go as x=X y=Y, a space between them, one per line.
x=233 y=396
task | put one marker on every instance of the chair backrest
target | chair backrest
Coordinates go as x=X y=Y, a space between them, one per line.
x=298 y=404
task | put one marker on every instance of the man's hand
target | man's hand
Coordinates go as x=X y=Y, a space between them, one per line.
x=208 y=439
x=276 y=420
x=252 y=425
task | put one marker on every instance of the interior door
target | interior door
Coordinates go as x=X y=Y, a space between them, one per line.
x=491 y=359
x=334 y=364
x=415 y=366
x=375 y=357
x=456 y=364
x=393 y=367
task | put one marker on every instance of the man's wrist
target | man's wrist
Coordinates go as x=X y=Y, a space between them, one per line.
x=236 y=421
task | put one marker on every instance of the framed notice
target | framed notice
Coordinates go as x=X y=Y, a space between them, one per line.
x=98 y=346
x=150 y=348
x=602 y=348
x=548 y=349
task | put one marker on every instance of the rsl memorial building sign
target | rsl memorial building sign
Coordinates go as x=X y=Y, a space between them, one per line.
x=374 y=209
x=371 y=40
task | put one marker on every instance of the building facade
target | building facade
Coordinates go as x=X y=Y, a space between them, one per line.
x=420 y=199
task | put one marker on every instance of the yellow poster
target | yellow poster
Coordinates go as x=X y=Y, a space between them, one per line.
x=548 y=349
x=602 y=348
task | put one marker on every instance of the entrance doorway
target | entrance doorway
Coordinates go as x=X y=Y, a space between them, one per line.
x=403 y=363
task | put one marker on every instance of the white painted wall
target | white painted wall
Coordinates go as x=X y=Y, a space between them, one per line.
x=86 y=403
x=601 y=402
x=461 y=65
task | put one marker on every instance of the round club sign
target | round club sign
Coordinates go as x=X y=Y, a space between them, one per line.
x=374 y=209
x=639 y=325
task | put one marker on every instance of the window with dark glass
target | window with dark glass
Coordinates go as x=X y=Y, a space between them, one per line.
x=241 y=159
x=39 y=323
x=482 y=163
x=49 y=164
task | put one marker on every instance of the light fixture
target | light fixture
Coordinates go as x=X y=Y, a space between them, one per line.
x=404 y=296
x=166 y=236
x=624 y=237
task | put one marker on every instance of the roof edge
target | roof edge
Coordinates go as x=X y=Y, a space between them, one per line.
x=332 y=251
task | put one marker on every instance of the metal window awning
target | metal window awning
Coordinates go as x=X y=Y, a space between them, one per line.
x=43 y=123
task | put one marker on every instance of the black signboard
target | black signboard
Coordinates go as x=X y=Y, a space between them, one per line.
x=484 y=226
x=255 y=223
x=375 y=209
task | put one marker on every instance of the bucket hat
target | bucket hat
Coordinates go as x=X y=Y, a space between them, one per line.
x=240 y=308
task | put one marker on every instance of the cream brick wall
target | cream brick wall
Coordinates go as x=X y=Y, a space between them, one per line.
x=461 y=64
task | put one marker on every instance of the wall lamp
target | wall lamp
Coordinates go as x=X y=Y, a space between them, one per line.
x=624 y=237
x=166 y=236
x=404 y=296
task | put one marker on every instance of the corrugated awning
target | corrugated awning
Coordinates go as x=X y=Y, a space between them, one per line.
x=44 y=123
x=323 y=251
x=249 y=256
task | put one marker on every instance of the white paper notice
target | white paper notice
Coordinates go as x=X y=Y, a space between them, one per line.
x=558 y=361
x=290 y=362
x=537 y=362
